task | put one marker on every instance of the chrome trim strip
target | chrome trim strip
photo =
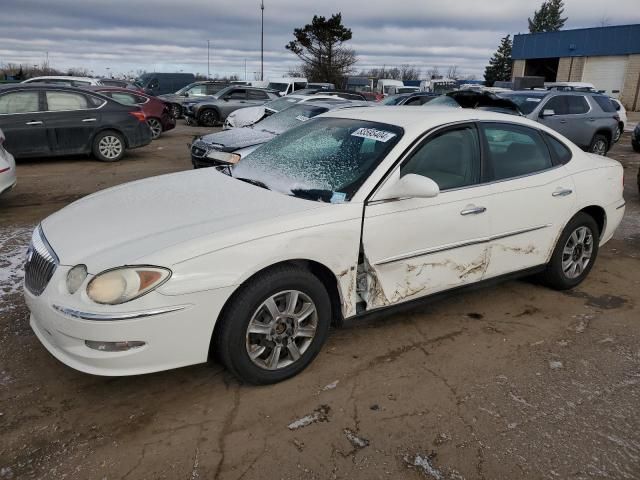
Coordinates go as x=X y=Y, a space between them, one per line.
x=451 y=246
x=70 y=312
x=621 y=206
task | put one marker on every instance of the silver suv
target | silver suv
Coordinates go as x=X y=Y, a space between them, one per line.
x=587 y=119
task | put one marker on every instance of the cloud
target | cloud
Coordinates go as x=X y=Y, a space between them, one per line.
x=165 y=35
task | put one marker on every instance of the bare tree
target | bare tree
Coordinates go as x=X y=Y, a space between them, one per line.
x=452 y=72
x=433 y=72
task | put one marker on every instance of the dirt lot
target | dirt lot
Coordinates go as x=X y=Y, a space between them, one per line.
x=513 y=381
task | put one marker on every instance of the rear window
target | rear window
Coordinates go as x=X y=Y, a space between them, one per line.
x=577 y=105
x=605 y=103
x=559 y=150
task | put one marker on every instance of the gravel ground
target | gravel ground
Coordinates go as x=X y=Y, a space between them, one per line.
x=513 y=381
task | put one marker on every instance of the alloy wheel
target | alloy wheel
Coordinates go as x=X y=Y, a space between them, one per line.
x=208 y=118
x=577 y=252
x=110 y=147
x=155 y=126
x=618 y=134
x=281 y=330
x=599 y=147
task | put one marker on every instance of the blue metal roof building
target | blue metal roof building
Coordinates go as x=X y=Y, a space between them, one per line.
x=582 y=42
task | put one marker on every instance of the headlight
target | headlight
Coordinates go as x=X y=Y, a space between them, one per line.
x=121 y=285
x=225 y=157
x=75 y=277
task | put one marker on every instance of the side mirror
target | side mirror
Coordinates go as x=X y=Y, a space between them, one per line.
x=409 y=186
x=185 y=94
x=548 y=113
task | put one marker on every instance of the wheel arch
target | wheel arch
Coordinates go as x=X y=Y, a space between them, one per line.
x=319 y=270
x=607 y=134
x=598 y=214
x=204 y=108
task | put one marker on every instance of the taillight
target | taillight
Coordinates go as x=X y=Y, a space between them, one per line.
x=139 y=115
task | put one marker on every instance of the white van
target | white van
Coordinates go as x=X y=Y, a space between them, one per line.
x=385 y=84
x=287 y=85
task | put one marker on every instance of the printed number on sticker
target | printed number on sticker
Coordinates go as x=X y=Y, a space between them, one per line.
x=374 y=134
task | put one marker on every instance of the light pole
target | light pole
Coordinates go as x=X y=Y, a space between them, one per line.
x=208 y=67
x=262 y=40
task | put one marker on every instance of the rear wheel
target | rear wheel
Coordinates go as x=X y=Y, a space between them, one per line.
x=599 y=145
x=618 y=133
x=574 y=254
x=108 y=146
x=275 y=326
x=156 y=127
x=208 y=118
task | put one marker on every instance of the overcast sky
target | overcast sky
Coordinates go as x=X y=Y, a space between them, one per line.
x=171 y=35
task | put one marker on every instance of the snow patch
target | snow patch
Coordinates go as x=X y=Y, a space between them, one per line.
x=14 y=242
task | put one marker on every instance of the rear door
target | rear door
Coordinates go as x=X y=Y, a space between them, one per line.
x=534 y=195
x=23 y=123
x=235 y=99
x=570 y=118
x=257 y=97
x=71 y=118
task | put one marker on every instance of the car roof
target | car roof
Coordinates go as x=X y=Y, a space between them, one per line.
x=39 y=86
x=417 y=120
x=61 y=77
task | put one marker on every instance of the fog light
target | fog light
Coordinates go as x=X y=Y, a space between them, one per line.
x=114 y=346
x=76 y=277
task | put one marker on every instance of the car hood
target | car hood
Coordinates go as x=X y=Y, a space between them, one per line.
x=126 y=224
x=246 y=116
x=235 y=138
x=171 y=97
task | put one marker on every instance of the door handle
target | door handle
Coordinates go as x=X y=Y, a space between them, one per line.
x=562 y=192
x=563 y=121
x=87 y=120
x=472 y=210
x=34 y=122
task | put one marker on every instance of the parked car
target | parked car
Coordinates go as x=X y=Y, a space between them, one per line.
x=212 y=110
x=7 y=168
x=160 y=83
x=229 y=146
x=157 y=112
x=352 y=212
x=321 y=86
x=245 y=117
x=195 y=90
x=114 y=82
x=411 y=98
x=587 y=119
x=384 y=85
x=42 y=120
x=345 y=95
x=65 y=80
x=287 y=85
x=622 y=113
x=395 y=90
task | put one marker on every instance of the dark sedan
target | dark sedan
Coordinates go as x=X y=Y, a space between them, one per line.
x=41 y=120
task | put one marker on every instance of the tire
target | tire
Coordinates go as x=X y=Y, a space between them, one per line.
x=618 y=134
x=572 y=247
x=208 y=118
x=108 y=146
x=156 y=128
x=599 y=145
x=232 y=341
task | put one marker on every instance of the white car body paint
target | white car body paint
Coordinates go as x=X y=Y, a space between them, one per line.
x=7 y=168
x=79 y=80
x=215 y=232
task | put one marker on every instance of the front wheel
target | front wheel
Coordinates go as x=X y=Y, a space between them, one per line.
x=108 y=146
x=574 y=254
x=274 y=327
x=599 y=145
x=208 y=118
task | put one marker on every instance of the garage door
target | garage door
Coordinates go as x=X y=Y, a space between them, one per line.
x=606 y=73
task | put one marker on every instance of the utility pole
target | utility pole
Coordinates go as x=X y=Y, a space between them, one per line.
x=245 y=69
x=262 y=40
x=208 y=64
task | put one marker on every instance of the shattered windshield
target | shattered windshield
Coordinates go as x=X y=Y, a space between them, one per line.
x=326 y=159
x=392 y=100
x=289 y=118
x=281 y=103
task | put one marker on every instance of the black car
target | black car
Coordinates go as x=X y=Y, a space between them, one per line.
x=411 y=98
x=635 y=138
x=41 y=120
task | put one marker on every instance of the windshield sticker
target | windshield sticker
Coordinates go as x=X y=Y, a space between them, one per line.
x=537 y=100
x=338 y=197
x=302 y=118
x=373 y=134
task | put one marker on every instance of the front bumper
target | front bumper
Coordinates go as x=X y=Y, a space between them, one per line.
x=176 y=330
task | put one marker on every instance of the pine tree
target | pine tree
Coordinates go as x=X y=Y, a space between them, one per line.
x=499 y=68
x=548 y=18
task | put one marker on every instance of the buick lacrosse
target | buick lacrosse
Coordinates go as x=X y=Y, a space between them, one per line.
x=352 y=212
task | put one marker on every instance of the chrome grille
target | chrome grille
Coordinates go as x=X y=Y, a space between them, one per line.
x=41 y=263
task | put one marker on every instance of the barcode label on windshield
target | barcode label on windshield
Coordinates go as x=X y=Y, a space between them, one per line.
x=374 y=134
x=302 y=118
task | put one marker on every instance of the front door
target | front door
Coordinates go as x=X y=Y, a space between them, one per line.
x=235 y=99
x=23 y=123
x=417 y=246
x=533 y=197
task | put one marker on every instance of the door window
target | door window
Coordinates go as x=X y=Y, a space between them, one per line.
x=451 y=159
x=561 y=152
x=19 y=102
x=299 y=85
x=515 y=151
x=558 y=104
x=125 y=98
x=577 y=105
x=257 y=95
x=238 y=94
x=61 y=101
x=197 y=91
x=414 y=101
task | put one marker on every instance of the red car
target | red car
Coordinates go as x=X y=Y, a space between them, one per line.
x=158 y=113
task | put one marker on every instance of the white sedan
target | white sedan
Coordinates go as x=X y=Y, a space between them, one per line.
x=7 y=168
x=354 y=211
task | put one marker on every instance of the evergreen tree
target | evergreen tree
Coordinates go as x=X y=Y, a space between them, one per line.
x=499 y=68
x=548 y=18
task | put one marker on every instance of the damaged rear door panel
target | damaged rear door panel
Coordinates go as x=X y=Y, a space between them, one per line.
x=412 y=247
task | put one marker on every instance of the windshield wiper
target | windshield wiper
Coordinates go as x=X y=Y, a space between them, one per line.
x=257 y=183
x=314 y=194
